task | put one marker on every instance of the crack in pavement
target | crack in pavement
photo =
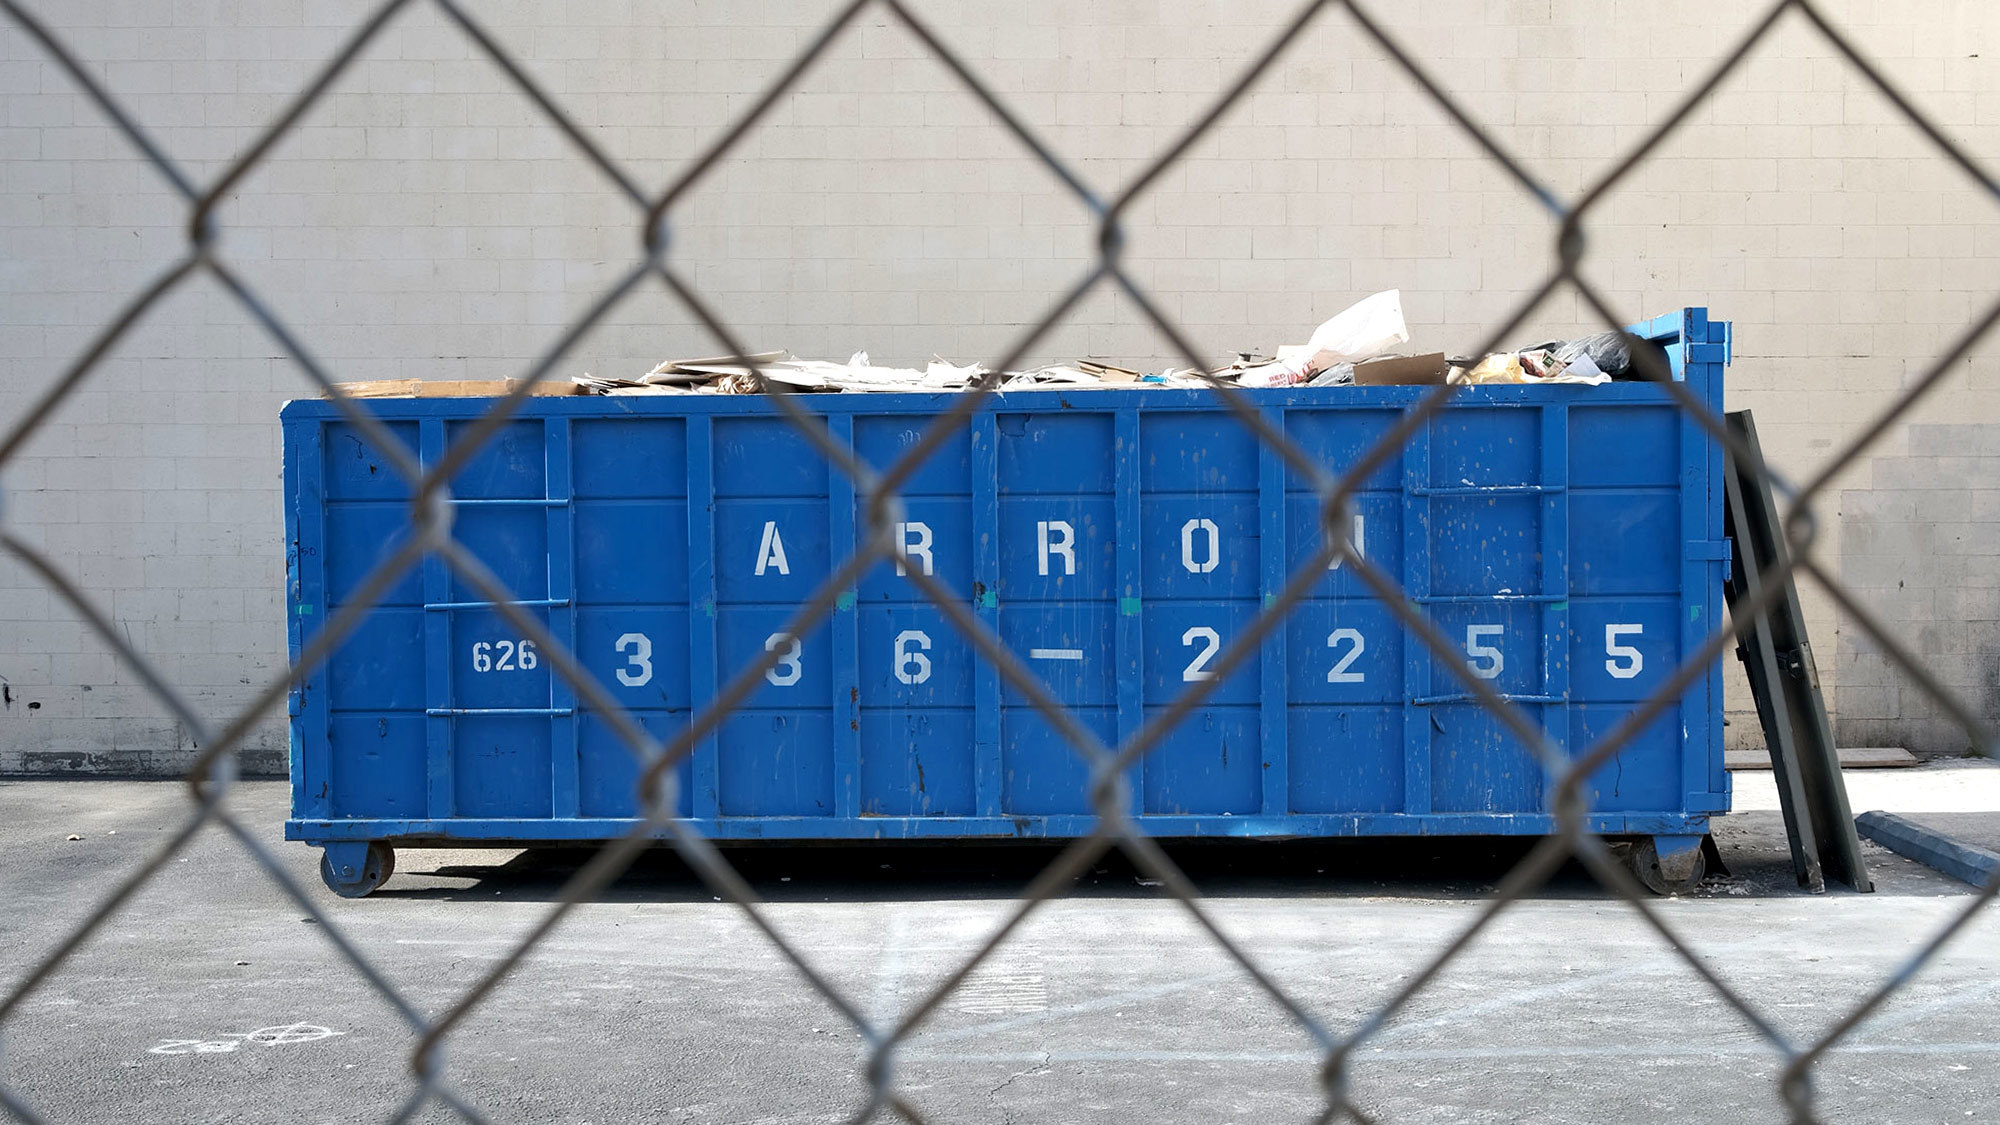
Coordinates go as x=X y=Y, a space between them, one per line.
x=1038 y=1068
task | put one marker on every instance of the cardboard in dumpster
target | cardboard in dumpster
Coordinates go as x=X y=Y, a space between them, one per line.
x=1354 y=347
x=1426 y=370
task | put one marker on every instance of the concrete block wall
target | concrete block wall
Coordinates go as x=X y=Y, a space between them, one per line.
x=1917 y=550
x=423 y=221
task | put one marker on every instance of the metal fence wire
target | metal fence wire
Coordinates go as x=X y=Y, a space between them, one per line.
x=430 y=520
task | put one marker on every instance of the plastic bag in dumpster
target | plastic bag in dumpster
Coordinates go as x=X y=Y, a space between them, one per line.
x=1611 y=352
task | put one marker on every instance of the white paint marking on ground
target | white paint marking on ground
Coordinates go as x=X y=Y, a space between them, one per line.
x=1009 y=983
x=277 y=1035
x=1303 y=963
x=1112 y=1002
x=1882 y=1024
x=1443 y=1019
x=887 y=1004
x=290 y=1033
x=1715 y=954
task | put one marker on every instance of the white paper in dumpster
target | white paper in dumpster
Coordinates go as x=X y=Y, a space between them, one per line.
x=1584 y=369
x=1361 y=331
x=1286 y=371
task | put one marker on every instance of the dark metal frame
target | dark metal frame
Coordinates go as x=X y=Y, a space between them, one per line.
x=1778 y=660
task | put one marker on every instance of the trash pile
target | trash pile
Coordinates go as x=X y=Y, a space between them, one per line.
x=1592 y=360
x=1357 y=347
x=728 y=376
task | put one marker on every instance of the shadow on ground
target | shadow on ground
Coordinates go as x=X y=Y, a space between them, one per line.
x=1411 y=868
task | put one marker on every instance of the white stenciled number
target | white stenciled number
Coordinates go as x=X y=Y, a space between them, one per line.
x=1340 y=673
x=1197 y=668
x=1360 y=550
x=504 y=656
x=1495 y=663
x=787 y=671
x=1622 y=660
x=1210 y=551
x=637 y=649
x=912 y=666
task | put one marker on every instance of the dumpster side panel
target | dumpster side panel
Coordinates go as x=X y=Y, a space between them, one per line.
x=630 y=531
x=1564 y=541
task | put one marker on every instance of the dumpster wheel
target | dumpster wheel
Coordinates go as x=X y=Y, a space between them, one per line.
x=1675 y=872
x=358 y=880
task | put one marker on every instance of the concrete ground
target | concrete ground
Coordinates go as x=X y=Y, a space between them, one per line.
x=209 y=999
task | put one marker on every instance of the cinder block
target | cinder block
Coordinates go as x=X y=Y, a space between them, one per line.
x=1869 y=701
x=50 y=637
x=1977 y=606
x=101 y=574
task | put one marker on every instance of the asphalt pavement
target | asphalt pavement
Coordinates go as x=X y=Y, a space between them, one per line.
x=211 y=997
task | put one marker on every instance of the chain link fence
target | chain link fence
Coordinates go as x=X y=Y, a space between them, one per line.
x=430 y=515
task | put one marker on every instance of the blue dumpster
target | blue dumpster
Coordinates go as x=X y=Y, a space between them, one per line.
x=1570 y=537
